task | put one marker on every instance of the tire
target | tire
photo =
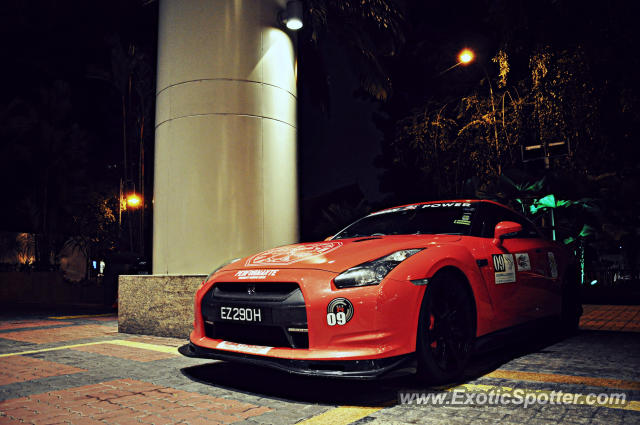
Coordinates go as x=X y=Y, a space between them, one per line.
x=446 y=329
x=571 y=308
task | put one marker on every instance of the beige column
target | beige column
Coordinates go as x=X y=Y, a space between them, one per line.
x=225 y=145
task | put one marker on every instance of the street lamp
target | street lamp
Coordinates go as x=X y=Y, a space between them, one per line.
x=465 y=57
x=133 y=200
x=128 y=203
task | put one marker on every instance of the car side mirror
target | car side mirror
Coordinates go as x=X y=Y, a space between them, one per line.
x=505 y=229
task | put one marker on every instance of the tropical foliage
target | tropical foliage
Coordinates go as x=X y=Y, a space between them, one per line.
x=65 y=136
x=548 y=72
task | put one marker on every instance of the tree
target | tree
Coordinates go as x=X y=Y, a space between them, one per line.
x=132 y=80
x=370 y=30
x=47 y=151
x=94 y=229
x=58 y=149
x=544 y=74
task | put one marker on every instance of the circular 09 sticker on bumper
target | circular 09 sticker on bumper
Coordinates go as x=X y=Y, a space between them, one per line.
x=339 y=312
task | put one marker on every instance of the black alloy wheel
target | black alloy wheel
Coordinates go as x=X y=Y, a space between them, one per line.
x=446 y=332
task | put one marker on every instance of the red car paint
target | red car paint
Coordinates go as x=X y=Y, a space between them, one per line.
x=385 y=316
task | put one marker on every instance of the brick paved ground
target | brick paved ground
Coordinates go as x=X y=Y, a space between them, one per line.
x=67 y=333
x=127 y=401
x=125 y=352
x=26 y=324
x=81 y=371
x=622 y=318
x=21 y=368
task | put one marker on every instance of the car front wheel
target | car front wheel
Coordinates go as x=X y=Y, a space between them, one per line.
x=446 y=331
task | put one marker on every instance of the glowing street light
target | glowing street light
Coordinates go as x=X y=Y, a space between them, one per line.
x=134 y=200
x=465 y=57
x=129 y=201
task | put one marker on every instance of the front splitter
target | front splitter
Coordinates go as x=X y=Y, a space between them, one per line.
x=352 y=369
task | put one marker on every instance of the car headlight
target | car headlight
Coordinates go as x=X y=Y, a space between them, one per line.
x=218 y=268
x=372 y=272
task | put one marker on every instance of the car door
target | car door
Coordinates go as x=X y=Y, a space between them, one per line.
x=512 y=267
x=546 y=276
x=542 y=274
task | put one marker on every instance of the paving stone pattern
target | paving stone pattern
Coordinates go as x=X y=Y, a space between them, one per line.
x=621 y=318
x=82 y=371
x=21 y=369
x=123 y=352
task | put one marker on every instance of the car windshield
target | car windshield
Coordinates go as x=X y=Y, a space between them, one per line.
x=453 y=218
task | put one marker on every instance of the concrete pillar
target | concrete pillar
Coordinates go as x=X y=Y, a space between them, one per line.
x=225 y=145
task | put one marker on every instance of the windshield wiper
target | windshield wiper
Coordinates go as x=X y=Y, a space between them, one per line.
x=357 y=235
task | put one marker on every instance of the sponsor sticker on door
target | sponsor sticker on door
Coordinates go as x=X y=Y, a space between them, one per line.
x=504 y=268
x=523 y=262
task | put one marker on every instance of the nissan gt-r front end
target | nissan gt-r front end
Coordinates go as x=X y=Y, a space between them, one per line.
x=307 y=316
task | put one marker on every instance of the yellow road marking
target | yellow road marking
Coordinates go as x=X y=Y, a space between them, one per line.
x=143 y=345
x=342 y=415
x=564 y=379
x=82 y=316
x=43 y=350
x=633 y=405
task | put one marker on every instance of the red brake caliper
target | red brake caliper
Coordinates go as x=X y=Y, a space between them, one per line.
x=432 y=322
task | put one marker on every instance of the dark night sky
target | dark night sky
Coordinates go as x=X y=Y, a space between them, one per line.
x=338 y=149
x=56 y=48
x=46 y=40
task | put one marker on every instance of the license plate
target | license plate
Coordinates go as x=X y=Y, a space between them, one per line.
x=241 y=314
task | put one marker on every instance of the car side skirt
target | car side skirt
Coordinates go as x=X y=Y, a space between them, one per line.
x=520 y=333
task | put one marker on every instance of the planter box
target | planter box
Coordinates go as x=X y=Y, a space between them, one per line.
x=160 y=305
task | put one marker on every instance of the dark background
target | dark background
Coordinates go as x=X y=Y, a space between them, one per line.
x=372 y=94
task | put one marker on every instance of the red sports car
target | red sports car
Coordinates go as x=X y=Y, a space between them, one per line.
x=413 y=286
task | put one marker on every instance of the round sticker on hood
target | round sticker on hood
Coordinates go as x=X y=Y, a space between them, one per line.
x=339 y=312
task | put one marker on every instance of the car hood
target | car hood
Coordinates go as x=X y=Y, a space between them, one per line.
x=337 y=255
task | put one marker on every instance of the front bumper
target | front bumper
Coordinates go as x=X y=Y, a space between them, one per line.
x=353 y=369
x=294 y=333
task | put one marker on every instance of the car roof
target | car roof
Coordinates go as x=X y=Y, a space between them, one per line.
x=448 y=202
x=471 y=201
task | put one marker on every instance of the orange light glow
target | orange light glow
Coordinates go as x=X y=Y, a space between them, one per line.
x=466 y=56
x=133 y=200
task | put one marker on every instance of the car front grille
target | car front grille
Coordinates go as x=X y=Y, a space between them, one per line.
x=251 y=291
x=282 y=309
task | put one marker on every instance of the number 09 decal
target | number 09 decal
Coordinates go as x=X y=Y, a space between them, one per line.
x=339 y=312
x=336 y=318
